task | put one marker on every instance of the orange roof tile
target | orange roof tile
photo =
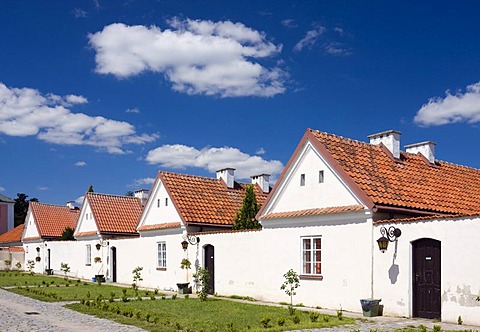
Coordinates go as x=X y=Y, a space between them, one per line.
x=13 y=249
x=159 y=226
x=410 y=183
x=115 y=214
x=427 y=218
x=206 y=200
x=313 y=212
x=13 y=235
x=53 y=219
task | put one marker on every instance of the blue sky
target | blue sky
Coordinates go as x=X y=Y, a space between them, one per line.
x=108 y=93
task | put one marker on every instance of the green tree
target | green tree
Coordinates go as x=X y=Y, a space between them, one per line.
x=20 y=208
x=291 y=283
x=67 y=234
x=90 y=189
x=130 y=193
x=245 y=218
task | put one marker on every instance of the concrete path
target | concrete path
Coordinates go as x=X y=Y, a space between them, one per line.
x=19 y=313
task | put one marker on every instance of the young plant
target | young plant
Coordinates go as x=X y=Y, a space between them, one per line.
x=202 y=277
x=291 y=283
x=8 y=263
x=65 y=268
x=137 y=276
x=185 y=264
x=18 y=265
x=97 y=259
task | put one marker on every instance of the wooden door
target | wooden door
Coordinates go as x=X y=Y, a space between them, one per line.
x=426 y=278
x=209 y=257
x=114 y=264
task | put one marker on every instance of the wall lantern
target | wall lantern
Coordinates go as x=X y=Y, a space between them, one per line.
x=38 y=249
x=192 y=239
x=388 y=235
x=101 y=244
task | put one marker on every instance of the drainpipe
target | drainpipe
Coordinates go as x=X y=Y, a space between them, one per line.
x=372 y=247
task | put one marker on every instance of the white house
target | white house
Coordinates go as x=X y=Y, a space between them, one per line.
x=11 y=248
x=45 y=223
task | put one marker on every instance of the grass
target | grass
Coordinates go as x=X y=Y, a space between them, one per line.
x=211 y=315
x=17 y=278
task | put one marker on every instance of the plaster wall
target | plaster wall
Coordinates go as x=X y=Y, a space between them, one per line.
x=86 y=222
x=156 y=212
x=293 y=197
x=13 y=257
x=30 y=229
x=31 y=254
x=459 y=268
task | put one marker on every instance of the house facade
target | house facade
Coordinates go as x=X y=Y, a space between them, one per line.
x=6 y=213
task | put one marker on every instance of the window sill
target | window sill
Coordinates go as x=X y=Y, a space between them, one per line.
x=161 y=269
x=311 y=277
x=87 y=264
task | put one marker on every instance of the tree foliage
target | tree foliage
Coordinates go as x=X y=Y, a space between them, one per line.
x=90 y=189
x=245 y=218
x=67 y=234
x=291 y=283
x=129 y=193
x=21 y=207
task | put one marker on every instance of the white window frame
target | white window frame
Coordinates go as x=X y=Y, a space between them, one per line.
x=88 y=254
x=312 y=264
x=162 y=255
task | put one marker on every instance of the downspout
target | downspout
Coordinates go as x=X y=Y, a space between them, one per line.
x=372 y=255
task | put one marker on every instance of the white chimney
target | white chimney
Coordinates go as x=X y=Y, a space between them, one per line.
x=390 y=138
x=227 y=175
x=262 y=181
x=71 y=204
x=142 y=194
x=427 y=149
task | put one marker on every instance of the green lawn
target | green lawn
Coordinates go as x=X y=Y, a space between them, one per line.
x=17 y=278
x=211 y=315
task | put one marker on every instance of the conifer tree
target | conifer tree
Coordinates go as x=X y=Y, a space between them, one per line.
x=245 y=218
x=90 y=189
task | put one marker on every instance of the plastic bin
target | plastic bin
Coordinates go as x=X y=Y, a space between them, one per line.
x=370 y=307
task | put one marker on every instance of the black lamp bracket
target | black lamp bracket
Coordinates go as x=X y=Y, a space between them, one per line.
x=392 y=233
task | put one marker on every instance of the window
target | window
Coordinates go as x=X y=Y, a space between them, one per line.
x=158 y=202
x=161 y=255
x=302 y=180
x=312 y=256
x=320 y=176
x=166 y=201
x=88 y=257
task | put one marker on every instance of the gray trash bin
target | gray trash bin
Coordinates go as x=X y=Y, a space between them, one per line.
x=370 y=307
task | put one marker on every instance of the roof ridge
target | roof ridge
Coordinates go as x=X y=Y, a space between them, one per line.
x=190 y=175
x=110 y=195
x=50 y=204
x=344 y=138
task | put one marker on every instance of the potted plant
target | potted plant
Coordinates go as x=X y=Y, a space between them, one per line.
x=97 y=259
x=37 y=258
x=183 y=287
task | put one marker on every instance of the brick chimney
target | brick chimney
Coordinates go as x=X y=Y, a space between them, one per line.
x=390 y=138
x=142 y=194
x=227 y=175
x=427 y=149
x=262 y=181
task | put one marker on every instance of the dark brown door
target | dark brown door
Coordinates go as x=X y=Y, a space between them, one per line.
x=209 y=251
x=426 y=278
x=114 y=264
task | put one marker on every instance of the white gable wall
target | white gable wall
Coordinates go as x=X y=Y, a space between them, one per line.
x=460 y=283
x=86 y=221
x=156 y=212
x=291 y=196
x=31 y=229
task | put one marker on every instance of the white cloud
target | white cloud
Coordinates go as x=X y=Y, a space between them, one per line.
x=79 y=200
x=460 y=107
x=132 y=110
x=310 y=39
x=141 y=182
x=80 y=164
x=289 y=23
x=260 y=151
x=2 y=189
x=42 y=188
x=79 y=13
x=339 y=30
x=212 y=159
x=197 y=57
x=26 y=112
x=337 y=49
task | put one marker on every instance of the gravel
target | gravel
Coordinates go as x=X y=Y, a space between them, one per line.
x=19 y=313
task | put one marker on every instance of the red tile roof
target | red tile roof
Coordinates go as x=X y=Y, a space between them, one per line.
x=427 y=218
x=53 y=219
x=13 y=235
x=313 y=212
x=13 y=249
x=159 y=226
x=206 y=200
x=410 y=183
x=115 y=214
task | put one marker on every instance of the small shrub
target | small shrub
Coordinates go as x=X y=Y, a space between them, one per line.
x=163 y=297
x=88 y=295
x=295 y=319
x=124 y=291
x=18 y=265
x=326 y=318
x=281 y=321
x=124 y=298
x=202 y=278
x=174 y=296
x=340 y=314
x=147 y=316
x=460 y=320
x=138 y=315
x=291 y=283
x=156 y=319
x=139 y=298
x=265 y=321
x=155 y=291
x=437 y=328
x=314 y=316
x=152 y=297
x=187 y=296
x=291 y=310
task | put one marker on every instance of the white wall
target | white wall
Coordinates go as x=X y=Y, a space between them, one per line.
x=460 y=271
x=31 y=253
x=30 y=229
x=290 y=196
x=86 y=221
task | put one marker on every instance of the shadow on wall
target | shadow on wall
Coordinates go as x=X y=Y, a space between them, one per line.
x=394 y=270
